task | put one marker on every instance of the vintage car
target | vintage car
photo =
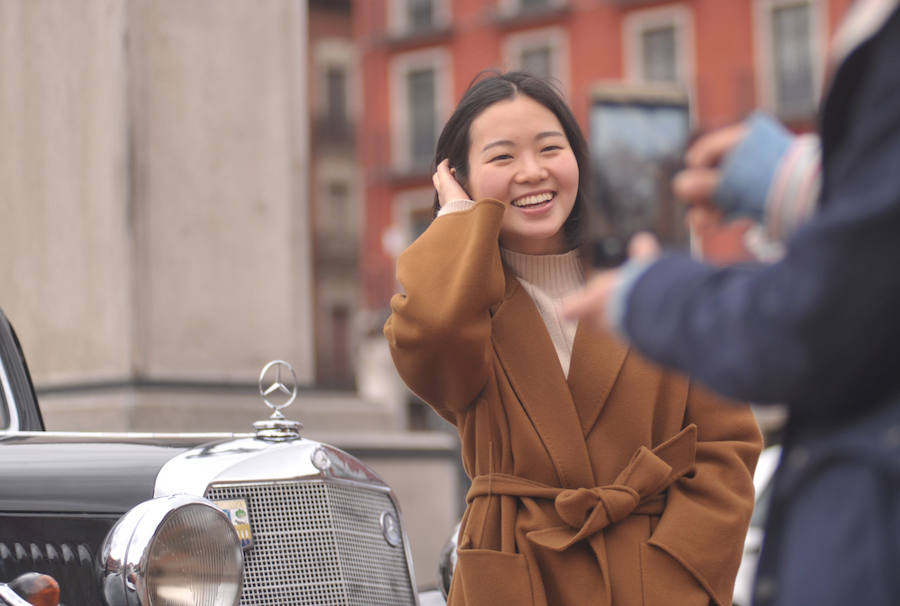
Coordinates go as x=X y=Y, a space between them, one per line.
x=264 y=518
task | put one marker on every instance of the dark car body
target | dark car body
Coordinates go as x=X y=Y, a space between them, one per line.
x=306 y=522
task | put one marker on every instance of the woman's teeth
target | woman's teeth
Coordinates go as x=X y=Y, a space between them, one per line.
x=532 y=200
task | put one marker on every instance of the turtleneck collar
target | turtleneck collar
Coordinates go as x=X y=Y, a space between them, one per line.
x=557 y=275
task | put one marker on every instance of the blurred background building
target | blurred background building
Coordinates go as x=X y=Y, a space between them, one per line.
x=190 y=189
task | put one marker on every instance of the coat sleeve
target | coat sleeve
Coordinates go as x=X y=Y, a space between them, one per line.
x=816 y=330
x=439 y=330
x=707 y=513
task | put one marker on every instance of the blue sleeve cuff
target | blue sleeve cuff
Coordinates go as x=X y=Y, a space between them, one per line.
x=749 y=169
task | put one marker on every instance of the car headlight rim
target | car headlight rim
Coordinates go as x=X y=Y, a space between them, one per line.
x=134 y=552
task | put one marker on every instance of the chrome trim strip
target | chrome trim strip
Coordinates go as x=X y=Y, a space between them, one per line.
x=12 y=409
x=406 y=546
x=11 y=597
x=129 y=435
x=243 y=460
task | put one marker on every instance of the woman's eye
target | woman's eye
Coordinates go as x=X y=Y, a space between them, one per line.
x=501 y=157
x=552 y=148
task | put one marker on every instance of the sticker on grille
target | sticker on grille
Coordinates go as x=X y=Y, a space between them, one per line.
x=319 y=543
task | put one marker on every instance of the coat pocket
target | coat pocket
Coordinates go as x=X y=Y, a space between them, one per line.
x=485 y=577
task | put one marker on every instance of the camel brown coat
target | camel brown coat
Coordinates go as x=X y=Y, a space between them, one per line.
x=622 y=484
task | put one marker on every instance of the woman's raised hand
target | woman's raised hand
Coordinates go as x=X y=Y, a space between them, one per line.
x=448 y=188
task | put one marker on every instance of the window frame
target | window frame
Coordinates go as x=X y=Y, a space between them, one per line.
x=437 y=59
x=681 y=18
x=513 y=8
x=398 y=18
x=555 y=37
x=337 y=53
x=764 y=40
x=404 y=206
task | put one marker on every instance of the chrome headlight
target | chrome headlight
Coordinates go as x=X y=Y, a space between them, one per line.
x=173 y=551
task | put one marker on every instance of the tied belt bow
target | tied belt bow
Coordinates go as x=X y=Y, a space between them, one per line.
x=638 y=489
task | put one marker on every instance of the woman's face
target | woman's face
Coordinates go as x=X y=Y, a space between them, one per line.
x=520 y=155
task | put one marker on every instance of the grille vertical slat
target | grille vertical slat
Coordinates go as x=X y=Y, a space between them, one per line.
x=319 y=543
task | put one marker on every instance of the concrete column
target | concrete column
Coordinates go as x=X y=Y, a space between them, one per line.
x=65 y=230
x=153 y=210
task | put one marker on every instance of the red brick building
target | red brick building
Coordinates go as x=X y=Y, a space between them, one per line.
x=418 y=56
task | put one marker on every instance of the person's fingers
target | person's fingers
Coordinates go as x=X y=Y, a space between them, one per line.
x=442 y=170
x=700 y=218
x=589 y=303
x=709 y=149
x=695 y=185
x=643 y=246
x=446 y=185
x=576 y=305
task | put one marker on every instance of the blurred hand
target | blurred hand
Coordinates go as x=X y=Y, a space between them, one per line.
x=696 y=184
x=590 y=303
x=448 y=188
x=714 y=238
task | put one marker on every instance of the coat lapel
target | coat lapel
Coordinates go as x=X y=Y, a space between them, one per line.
x=597 y=359
x=532 y=368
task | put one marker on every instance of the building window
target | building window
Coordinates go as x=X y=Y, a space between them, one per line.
x=790 y=43
x=512 y=8
x=423 y=126
x=411 y=17
x=537 y=61
x=336 y=95
x=791 y=34
x=411 y=213
x=334 y=102
x=659 y=46
x=793 y=58
x=419 y=94
x=659 y=52
x=341 y=371
x=533 y=5
x=542 y=52
x=339 y=205
x=420 y=14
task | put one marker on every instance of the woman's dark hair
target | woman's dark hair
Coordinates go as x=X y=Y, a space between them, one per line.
x=489 y=88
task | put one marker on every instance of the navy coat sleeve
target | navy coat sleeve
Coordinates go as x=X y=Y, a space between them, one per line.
x=819 y=330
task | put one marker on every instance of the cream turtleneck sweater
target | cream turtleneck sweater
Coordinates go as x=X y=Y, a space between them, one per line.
x=549 y=278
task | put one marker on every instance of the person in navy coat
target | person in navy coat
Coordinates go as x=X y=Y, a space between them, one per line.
x=817 y=330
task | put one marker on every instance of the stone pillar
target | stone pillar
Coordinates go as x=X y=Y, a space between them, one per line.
x=154 y=226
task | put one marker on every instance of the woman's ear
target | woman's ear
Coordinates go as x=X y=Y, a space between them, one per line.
x=461 y=180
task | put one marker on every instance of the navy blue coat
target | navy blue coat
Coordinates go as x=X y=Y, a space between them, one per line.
x=819 y=331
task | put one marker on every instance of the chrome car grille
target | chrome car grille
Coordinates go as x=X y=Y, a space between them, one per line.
x=319 y=542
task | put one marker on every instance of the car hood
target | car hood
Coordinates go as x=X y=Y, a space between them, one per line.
x=86 y=473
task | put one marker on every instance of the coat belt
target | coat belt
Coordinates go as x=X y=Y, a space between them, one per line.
x=638 y=489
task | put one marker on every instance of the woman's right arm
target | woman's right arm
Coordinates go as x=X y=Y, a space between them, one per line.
x=439 y=331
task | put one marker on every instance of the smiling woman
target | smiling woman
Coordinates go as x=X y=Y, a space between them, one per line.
x=596 y=476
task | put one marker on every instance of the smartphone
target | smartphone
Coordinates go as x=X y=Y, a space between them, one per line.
x=637 y=135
